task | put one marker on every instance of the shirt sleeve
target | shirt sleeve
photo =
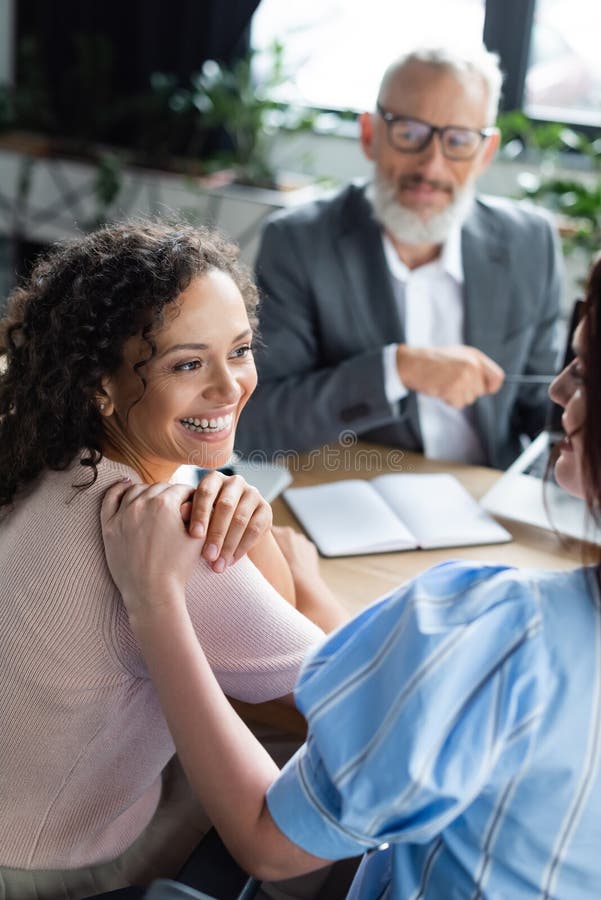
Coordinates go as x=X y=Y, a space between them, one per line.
x=393 y=385
x=254 y=640
x=410 y=708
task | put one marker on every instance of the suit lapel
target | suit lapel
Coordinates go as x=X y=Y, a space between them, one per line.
x=371 y=296
x=487 y=282
x=486 y=264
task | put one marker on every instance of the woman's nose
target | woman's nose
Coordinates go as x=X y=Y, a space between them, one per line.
x=558 y=389
x=223 y=386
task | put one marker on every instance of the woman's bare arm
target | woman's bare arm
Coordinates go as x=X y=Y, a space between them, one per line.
x=271 y=563
x=227 y=767
x=151 y=557
x=313 y=597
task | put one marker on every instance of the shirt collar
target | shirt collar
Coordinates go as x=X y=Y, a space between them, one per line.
x=450 y=259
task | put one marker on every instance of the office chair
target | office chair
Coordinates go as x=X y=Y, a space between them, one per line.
x=165 y=889
x=210 y=873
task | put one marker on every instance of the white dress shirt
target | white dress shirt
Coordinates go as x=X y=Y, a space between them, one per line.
x=430 y=303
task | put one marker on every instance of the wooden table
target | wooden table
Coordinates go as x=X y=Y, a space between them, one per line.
x=357 y=580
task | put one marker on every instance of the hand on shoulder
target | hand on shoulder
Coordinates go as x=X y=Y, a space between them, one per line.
x=230 y=515
x=148 y=549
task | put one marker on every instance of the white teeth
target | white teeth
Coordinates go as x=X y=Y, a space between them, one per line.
x=208 y=425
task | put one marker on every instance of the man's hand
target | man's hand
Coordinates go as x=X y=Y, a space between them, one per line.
x=458 y=375
x=230 y=515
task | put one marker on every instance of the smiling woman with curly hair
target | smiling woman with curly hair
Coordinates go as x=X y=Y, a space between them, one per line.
x=65 y=331
x=126 y=355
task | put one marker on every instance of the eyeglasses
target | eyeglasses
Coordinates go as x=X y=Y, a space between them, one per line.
x=409 y=135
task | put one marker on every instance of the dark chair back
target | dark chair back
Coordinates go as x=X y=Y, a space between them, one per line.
x=210 y=873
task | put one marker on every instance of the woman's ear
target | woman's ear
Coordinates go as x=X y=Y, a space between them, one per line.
x=104 y=404
x=103 y=399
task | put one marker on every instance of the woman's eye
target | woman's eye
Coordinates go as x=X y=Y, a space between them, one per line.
x=188 y=366
x=243 y=351
x=576 y=370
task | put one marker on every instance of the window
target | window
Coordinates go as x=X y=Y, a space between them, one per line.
x=338 y=53
x=337 y=49
x=563 y=81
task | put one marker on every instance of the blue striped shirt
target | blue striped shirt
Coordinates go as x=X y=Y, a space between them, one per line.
x=458 y=722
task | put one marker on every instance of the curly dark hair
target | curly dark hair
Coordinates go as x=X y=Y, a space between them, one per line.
x=66 y=326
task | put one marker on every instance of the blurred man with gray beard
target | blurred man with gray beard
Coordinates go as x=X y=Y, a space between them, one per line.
x=395 y=308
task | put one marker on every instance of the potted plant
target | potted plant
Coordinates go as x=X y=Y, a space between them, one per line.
x=564 y=174
x=574 y=194
x=192 y=148
x=246 y=110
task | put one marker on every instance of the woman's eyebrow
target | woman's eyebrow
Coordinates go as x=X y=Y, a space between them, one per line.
x=190 y=346
x=197 y=346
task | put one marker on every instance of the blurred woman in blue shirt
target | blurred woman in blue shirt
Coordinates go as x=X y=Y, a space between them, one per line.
x=454 y=726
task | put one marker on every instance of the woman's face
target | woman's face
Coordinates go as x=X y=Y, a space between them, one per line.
x=568 y=391
x=197 y=384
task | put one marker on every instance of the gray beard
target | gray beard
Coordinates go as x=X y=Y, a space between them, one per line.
x=405 y=225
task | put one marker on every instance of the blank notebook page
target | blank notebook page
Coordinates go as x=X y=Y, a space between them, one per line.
x=439 y=511
x=348 y=517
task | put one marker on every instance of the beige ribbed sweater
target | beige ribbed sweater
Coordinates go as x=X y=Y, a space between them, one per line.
x=82 y=736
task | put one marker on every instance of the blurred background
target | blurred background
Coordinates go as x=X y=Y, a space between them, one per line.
x=224 y=111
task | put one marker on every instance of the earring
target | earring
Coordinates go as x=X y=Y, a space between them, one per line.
x=101 y=406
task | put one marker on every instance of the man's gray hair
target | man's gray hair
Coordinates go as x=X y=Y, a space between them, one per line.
x=475 y=61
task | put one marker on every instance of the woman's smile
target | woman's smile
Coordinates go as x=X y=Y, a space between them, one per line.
x=209 y=426
x=194 y=387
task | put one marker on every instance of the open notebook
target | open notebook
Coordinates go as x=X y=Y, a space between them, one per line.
x=392 y=512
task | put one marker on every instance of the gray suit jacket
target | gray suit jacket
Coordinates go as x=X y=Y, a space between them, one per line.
x=328 y=309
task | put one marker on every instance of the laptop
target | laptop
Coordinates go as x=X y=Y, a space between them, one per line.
x=522 y=495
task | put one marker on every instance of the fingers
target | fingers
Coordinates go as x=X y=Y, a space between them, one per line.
x=202 y=503
x=458 y=375
x=293 y=544
x=285 y=535
x=112 y=499
x=231 y=514
x=258 y=524
x=494 y=376
x=186 y=511
x=471 y=375
x=124 y=494
x=239 y=515
x=280 y=531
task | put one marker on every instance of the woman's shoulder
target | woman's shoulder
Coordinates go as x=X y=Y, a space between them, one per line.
x=86 y=481
x=454 y=594
x=56 y=519
x=459 y=591
x=79 y=483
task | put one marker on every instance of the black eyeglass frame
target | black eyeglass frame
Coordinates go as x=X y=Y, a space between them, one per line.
x=390 y=119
